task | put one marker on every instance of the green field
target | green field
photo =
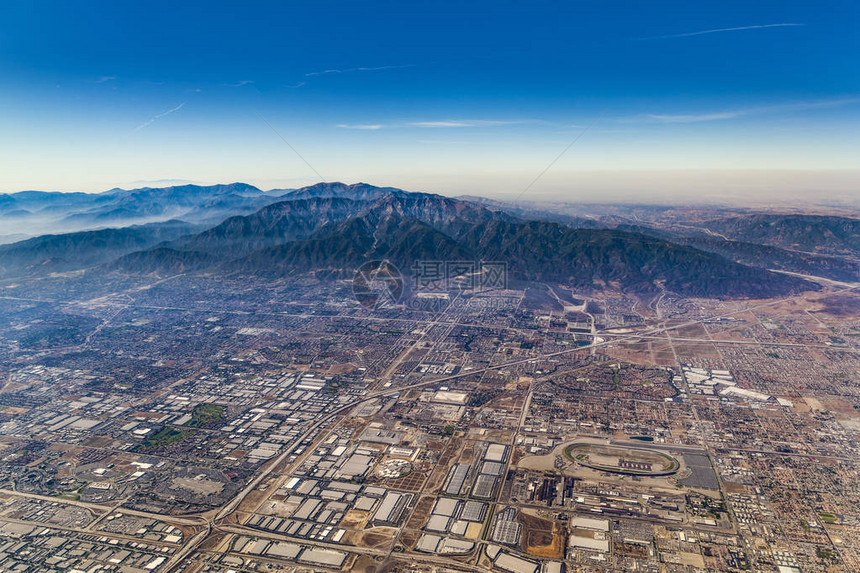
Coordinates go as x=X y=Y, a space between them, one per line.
x=204 y=414
x=164 y=437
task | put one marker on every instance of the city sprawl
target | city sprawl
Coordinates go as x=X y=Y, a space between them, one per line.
x=201 y=423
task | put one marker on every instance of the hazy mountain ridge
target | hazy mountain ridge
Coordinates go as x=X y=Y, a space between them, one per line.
x=762 y=250
x=769 y=257
x=530 y=212
x=322 y=232
x=39 y=212
x=332 y=228
x=809 y=233
x=627 y=261
x=354 y=191
x=303 y=214
x=272 y=225
x=812 y=244
x=72 y=251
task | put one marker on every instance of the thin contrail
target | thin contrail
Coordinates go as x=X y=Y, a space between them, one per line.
x=717 y=30
x=559 y=156
x=291 y=147
x=157 y=117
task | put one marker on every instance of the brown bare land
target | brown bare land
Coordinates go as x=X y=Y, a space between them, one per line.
x=421 y=512
x=541 y=537
x=355 y=519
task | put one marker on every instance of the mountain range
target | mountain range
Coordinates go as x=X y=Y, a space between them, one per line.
x=38 y=212
x=330 y=229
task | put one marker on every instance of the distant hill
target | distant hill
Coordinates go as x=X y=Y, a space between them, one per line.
x=72 y=251
x=768 y=257
x=38 y=212
x=809 y=233
x=534 y=213
x=835 y=258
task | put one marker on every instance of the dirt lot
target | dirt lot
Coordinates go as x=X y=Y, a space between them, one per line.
x=421 y=513
x=376 y=538
x=541 y=537
x=440 y=472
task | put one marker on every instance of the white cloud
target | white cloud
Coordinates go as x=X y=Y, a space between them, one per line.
x=744 y=112
x=692 y=117
x=240 y=84
x=309 y=74
x=441 y=124
x=461 y=123
x=361 y=69
x=378 y=68
x=719 y=30
x=104 y=79
x=365 y=126
x=438 y=124
x=158 y=116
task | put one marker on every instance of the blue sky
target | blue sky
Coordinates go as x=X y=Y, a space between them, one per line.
x=451 y=97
